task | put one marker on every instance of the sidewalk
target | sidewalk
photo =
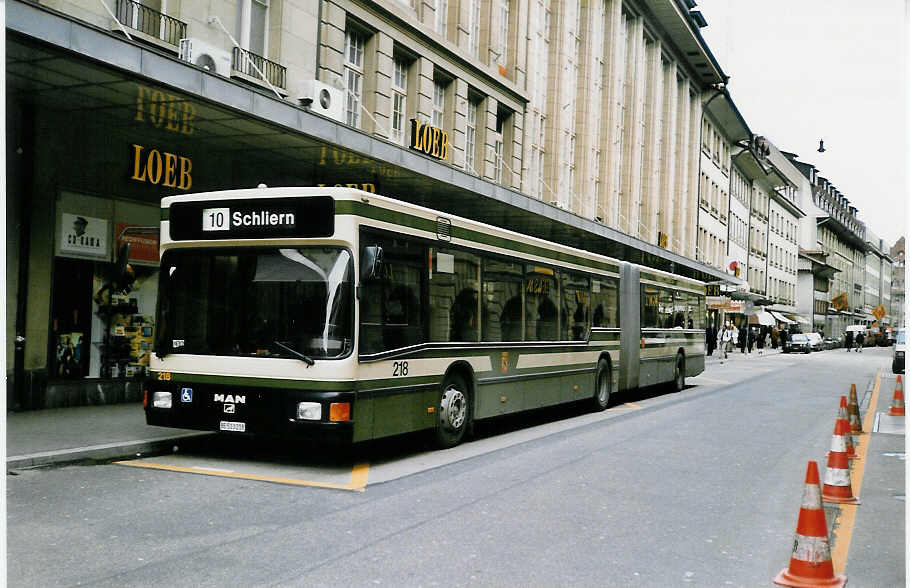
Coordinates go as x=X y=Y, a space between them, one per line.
x=46 y=437
x=735 y=355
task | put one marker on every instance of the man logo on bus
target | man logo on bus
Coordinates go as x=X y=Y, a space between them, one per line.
x=230 y=398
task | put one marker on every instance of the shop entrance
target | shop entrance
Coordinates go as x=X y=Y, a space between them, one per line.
x=71 y=318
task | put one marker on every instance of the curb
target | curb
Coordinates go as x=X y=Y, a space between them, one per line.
x=103 y=452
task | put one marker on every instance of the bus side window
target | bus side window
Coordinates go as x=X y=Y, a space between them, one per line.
x=665 y=308
x=541 y=315
x=392 y=308
x=454 y=305
x=575 y=298
x=464 y=316
x=605 y=302
x=650 y=317
x=502 y=301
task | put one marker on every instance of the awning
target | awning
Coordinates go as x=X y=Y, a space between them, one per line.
x=762 y=318
x=801 y=320
x=781 y=317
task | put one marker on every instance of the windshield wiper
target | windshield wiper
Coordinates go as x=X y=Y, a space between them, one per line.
x=305 y=359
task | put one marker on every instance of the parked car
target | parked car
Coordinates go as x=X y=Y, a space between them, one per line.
x=815 y=342
x=798 y=343
x=832 y=343
x=897 y=353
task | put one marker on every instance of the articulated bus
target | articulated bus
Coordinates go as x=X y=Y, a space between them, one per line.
x=332 y=313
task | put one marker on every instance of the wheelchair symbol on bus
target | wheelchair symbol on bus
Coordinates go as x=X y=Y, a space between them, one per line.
x=186 y=395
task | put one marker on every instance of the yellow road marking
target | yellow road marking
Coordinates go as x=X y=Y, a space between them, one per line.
x=847 y=512
x=359 y=475
x=633 y=405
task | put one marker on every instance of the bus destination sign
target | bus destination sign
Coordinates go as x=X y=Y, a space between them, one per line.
x=222 y=219
x=253 y=219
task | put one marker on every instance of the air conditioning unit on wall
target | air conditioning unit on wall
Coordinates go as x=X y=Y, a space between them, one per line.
x=206 y=56
x=323 y=99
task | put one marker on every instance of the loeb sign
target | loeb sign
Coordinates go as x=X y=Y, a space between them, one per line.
x=430 y=140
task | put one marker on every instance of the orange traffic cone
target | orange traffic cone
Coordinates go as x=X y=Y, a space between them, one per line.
x=856 y=425
x=897 y=404
x=849 y=441
x=837 y=486
x=810 y=562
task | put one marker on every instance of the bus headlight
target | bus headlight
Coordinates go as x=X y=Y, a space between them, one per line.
x=161 y=399
x=309 y=411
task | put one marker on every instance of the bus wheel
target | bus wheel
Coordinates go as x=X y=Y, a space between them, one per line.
x=679 y=373
x=452 y=417
x=603 y=382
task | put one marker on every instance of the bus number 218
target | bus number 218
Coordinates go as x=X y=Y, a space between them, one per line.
x=399 y=368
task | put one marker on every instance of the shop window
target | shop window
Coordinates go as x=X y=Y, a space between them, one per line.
x=71 y=318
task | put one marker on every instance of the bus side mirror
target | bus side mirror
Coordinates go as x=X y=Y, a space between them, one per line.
x=370 y=262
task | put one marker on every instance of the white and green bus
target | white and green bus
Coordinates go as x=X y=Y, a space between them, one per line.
x=332 y=313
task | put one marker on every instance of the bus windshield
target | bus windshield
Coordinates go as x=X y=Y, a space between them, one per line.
x=256 y=302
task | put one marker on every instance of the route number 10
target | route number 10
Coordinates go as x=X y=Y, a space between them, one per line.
x=216 y=219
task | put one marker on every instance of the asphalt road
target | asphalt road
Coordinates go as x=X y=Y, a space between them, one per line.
x=699 y=488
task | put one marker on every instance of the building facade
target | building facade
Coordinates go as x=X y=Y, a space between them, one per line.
x=860 y=282
x=897 y=284
x=570 y=120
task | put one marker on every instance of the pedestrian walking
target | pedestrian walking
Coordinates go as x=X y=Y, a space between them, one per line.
x=860 y=339
x=741 y=338
x=761 y=342
x=726 y=339
x=751 y=339
x=848 y=341
x=710 y=338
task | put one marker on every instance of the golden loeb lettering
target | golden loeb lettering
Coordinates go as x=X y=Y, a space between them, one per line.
x=162 y=168
x=430 y=140
x=163 y=109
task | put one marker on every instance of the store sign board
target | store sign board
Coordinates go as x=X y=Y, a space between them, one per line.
x=430 y=140
x=143 y=247
x=84 y=236
x=153 y=166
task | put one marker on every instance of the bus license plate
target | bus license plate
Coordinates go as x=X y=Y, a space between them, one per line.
x=233 y=426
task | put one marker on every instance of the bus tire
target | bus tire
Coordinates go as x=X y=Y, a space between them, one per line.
x=603 y=384
x=454 y=411
x=679 y=373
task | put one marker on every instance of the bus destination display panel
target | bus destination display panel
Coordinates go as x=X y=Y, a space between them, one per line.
x=253 y=219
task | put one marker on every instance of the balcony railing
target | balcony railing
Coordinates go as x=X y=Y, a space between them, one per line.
x=150 y=22
x=243 y=61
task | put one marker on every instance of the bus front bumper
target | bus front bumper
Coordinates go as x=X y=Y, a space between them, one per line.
x=266 y=412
